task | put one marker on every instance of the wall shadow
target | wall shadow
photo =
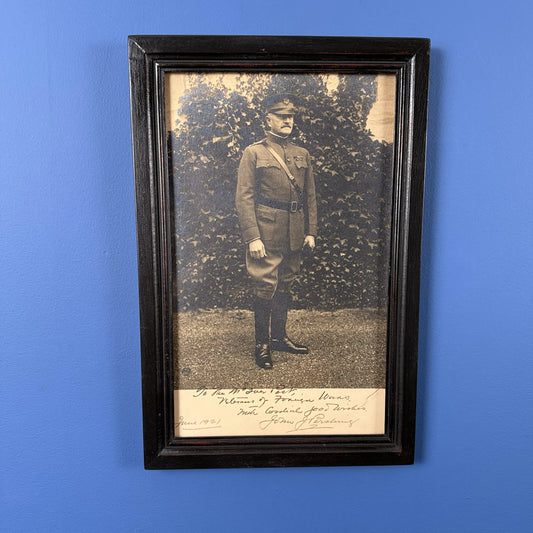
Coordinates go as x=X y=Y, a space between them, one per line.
x=429 y=245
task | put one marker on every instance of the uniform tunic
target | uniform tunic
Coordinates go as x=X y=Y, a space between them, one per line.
x=281 y=230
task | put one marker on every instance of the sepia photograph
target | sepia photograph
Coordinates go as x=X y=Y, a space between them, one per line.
x=281 y=188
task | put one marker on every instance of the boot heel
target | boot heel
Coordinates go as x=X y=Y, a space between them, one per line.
x=263 y=358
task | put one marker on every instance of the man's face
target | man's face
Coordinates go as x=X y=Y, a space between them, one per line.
x=280 y=124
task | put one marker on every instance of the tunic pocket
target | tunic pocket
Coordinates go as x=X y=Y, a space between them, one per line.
x=266 y=221
x=267 y=163
x=300 y=161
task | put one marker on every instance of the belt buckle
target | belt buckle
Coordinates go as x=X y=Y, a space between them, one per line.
x=294 y=207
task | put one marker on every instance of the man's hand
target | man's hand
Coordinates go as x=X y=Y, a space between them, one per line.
x=309 y=241
x=257 y=249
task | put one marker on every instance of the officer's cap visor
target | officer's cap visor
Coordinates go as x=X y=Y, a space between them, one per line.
x=282 y=106
x=281 y=115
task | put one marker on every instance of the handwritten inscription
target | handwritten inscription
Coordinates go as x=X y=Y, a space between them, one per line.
x=198 y=425
x=223 y=412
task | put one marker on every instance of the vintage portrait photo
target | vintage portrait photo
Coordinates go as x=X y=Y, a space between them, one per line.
x=281 y=188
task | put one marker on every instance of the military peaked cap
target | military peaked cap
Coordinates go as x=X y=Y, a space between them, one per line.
x=281 y=104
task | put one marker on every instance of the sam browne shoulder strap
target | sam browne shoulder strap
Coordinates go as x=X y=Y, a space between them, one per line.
x=291 y=178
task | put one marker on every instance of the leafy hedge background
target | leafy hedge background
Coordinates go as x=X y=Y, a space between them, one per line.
x=349 y=266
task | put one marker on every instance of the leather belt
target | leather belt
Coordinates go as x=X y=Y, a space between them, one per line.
x=278 y=204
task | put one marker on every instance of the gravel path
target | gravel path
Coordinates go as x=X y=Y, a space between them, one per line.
x=214 y=349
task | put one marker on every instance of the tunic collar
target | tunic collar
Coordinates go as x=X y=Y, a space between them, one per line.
x=276 y=139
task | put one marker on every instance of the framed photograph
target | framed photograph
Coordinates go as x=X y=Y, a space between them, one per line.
x=279 y=187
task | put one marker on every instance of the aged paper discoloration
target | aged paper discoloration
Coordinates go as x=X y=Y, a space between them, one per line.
x=291 y=411
x=380 y=120
x=263 y=412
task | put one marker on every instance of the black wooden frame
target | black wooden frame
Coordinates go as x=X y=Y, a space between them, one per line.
x=150 y=57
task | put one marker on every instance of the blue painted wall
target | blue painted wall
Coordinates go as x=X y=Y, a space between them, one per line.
x=70 y=387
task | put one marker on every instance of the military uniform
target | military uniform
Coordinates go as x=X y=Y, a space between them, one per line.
x=269 y=209
x=281 y=214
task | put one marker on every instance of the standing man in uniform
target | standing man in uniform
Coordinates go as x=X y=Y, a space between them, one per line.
x=277 y=211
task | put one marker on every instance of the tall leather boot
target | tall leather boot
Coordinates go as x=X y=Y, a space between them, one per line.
x=280 y=342
x=263 y=357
